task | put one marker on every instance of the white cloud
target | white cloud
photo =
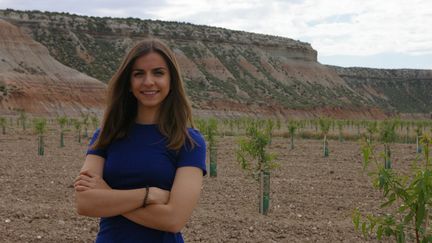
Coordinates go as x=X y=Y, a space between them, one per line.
x=333 y=27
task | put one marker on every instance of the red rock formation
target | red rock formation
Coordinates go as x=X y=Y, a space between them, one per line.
x=32 y=80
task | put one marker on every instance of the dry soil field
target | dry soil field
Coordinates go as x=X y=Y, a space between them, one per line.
x=312 y=197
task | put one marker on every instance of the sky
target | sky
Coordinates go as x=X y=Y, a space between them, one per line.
x=363 y=33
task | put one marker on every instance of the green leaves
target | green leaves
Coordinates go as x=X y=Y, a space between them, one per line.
x=251 y=153
x=324 y=124
x=388 y=131
x=412 y=193
x=40 y=125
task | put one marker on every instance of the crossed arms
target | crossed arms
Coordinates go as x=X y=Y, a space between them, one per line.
x=166 y=211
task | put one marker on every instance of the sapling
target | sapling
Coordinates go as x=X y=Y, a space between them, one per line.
x=340 y=125
x=409 y=195
x=85 y=122
x=407 y=129
x=62 y=120
x=22 y=118
x=371 y=128
x=77 y=125
x=387 y=136
x=211 y=133
x=40 y=127
x=254 y=158
x=324 y=124
x=269 y=126
x=292 y=127
x=418 y=131
x=3 y=125
x=95 y=122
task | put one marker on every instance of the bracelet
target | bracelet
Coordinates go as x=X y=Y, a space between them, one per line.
x=145 y=197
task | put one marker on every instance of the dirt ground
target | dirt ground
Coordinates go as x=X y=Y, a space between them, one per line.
x=312 y=197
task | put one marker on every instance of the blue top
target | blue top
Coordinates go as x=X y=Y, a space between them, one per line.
x=136 y=161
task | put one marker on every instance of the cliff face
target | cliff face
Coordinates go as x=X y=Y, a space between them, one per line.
x=34 y=81
x=226 y=72
x=402 y=90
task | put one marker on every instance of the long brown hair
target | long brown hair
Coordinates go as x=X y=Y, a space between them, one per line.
x=174 y=115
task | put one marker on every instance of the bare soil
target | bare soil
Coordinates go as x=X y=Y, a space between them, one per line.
x=312 y=197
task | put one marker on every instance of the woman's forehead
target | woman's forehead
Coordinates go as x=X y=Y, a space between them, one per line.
x=150 y=61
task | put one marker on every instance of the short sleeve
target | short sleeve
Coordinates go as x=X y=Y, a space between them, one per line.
x=100 y=152
x=193 y=157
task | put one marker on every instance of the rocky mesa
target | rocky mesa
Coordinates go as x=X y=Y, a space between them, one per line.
x=232 y=73
x=34 y=81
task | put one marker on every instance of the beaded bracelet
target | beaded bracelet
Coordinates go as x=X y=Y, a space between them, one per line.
x=145 y=197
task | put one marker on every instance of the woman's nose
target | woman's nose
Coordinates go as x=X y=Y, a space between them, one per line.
x=148 y=80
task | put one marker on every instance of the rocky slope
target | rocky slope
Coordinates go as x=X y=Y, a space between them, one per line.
x=34 y=81
x=400 y=90
x=226 y=72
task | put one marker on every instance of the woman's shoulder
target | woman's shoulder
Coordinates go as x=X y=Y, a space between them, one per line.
x=196 y=139
x=196 y=135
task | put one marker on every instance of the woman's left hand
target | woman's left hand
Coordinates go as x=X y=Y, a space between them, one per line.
x=88 y=180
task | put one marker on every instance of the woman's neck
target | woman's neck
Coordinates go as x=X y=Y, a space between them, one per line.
x=146 y=116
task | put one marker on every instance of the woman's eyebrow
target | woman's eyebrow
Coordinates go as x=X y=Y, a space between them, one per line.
x=159 y=68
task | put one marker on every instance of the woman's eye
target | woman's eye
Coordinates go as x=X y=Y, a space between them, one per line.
x=159 y=73
x=137 y=74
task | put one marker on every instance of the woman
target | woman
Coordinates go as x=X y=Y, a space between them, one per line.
x=143 y=170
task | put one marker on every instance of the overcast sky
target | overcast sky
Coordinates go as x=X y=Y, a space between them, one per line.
x=367 y=33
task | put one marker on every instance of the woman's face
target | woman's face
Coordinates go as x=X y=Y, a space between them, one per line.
x=150 y=81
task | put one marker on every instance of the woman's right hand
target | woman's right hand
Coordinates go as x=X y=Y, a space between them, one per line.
x=158 y=196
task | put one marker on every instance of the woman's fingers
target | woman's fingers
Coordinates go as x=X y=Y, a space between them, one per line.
x=81 y=188
x=83 y=177
x=87 y=173
x=84 y=183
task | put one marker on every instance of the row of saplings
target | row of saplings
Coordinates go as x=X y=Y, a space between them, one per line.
x=40 y=127
x=412 y=193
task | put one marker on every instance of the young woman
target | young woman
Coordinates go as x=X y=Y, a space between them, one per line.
x=144 y=167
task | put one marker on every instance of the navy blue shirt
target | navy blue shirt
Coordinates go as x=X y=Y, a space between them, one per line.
x=142 y=159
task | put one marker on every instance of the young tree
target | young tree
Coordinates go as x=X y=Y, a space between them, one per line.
x=22 y=118
x=3 y=125
x=269 y=127
x=324 y=124
x=418 y=131
x=340 y=124
x=254 y=158
x=77 y=125
x=95 y=122
x=85 y=122
x=371 y=128
x=292 y=127
x=40 y=128
x=411 y=193
x=62 y=122
x=387 y=136
x=211 y=132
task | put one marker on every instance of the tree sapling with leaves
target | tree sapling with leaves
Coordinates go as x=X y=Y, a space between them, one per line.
x=40 y=128
x=292 y=127
x=3 y=125
x=411 y=193
x=254 y=158
x=62 y=121
x=324 y=124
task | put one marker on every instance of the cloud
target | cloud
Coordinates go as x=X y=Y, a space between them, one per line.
x=333 y=27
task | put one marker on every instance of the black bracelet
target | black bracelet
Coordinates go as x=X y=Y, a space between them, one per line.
x=146 y=196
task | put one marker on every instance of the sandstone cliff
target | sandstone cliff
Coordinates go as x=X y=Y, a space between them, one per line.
x=32 y=80
x=398 y=90
x=226 y=72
